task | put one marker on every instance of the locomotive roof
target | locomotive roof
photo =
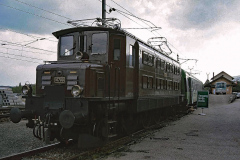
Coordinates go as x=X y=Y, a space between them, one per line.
x=59 y=33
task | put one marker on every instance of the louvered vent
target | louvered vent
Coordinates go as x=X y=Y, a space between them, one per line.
x=71 y=81
x=46 y=81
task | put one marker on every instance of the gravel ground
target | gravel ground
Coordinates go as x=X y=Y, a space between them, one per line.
x=16 y=138
x=214 y=136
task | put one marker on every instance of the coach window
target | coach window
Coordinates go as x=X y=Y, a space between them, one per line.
x=162 y=64
x=151 y=60
x=158 y=63
x=161 y=84
x=169 y=85
x=99 y=43
x=132 y=56
x=116 y=50
x=144 y=82
x=165 y=84
x=144 y=58
x=150 y=82
x=166 y=69
x=170 y=68
x=67 y=45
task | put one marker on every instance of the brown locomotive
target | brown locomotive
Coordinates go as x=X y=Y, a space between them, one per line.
x=105 y=83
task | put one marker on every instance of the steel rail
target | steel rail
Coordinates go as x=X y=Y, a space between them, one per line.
x=19 y=156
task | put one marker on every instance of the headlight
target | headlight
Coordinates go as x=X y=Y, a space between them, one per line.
x=25 y=89
x=76 y=90
x=78 y=55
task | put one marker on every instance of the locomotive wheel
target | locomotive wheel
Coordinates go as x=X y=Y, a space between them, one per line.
x=129 y=123
x=146 y=120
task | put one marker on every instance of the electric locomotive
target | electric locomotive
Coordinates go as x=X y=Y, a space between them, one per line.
x=105 y=82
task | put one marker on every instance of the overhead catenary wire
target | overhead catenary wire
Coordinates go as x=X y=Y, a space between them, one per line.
x=30 y=35
x=35 y=14
x=23 y=50
x=43 y=9
x=17 y=44
x=21 y=56
x=19 y=59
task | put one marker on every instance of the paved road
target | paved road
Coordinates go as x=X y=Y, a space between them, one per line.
x=214 y=136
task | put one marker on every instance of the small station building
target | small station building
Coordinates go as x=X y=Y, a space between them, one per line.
x=220 y=77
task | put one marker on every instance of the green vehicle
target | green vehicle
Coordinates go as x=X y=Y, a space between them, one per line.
x=190 y=87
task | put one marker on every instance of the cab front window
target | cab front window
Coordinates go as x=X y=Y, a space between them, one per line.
x=66 y=46
x=99 y=43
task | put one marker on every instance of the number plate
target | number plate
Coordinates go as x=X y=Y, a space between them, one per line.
x=59 y=80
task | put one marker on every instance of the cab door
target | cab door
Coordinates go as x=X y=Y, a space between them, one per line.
x=116 y=65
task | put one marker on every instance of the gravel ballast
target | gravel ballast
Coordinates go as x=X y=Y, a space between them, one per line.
x=16 y=138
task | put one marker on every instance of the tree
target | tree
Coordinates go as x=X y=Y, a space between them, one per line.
x=236 y=88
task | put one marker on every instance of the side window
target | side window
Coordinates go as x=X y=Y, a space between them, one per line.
x=171 y=68
x=161 y=84
x=132 y=56
x=150 y=82
x=144 y=82
x=147 y=59
x=116 y=49
x=144 y=58
x=157 y=83
x=165 y=84
x=166 y=69
x=162 y=64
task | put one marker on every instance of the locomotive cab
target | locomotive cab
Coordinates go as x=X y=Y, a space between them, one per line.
x=68 y=90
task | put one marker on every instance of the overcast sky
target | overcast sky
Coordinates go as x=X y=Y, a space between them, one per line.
x=206 y=30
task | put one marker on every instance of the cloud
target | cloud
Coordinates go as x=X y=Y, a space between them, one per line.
x=202 y=14
x=18 y=62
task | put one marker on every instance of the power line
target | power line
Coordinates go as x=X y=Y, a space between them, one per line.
x=19 y=59
x=34 y=14
x=43 y=9
x=21 y=56
x=24 y=50
x=17 y=44
x=29 y=35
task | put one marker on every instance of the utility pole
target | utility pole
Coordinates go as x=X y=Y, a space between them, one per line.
x=207 y=75
x=103 y=12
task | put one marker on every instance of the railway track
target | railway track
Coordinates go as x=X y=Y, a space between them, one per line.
x=71 y=152
x=5 y=112
x=19 y=156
